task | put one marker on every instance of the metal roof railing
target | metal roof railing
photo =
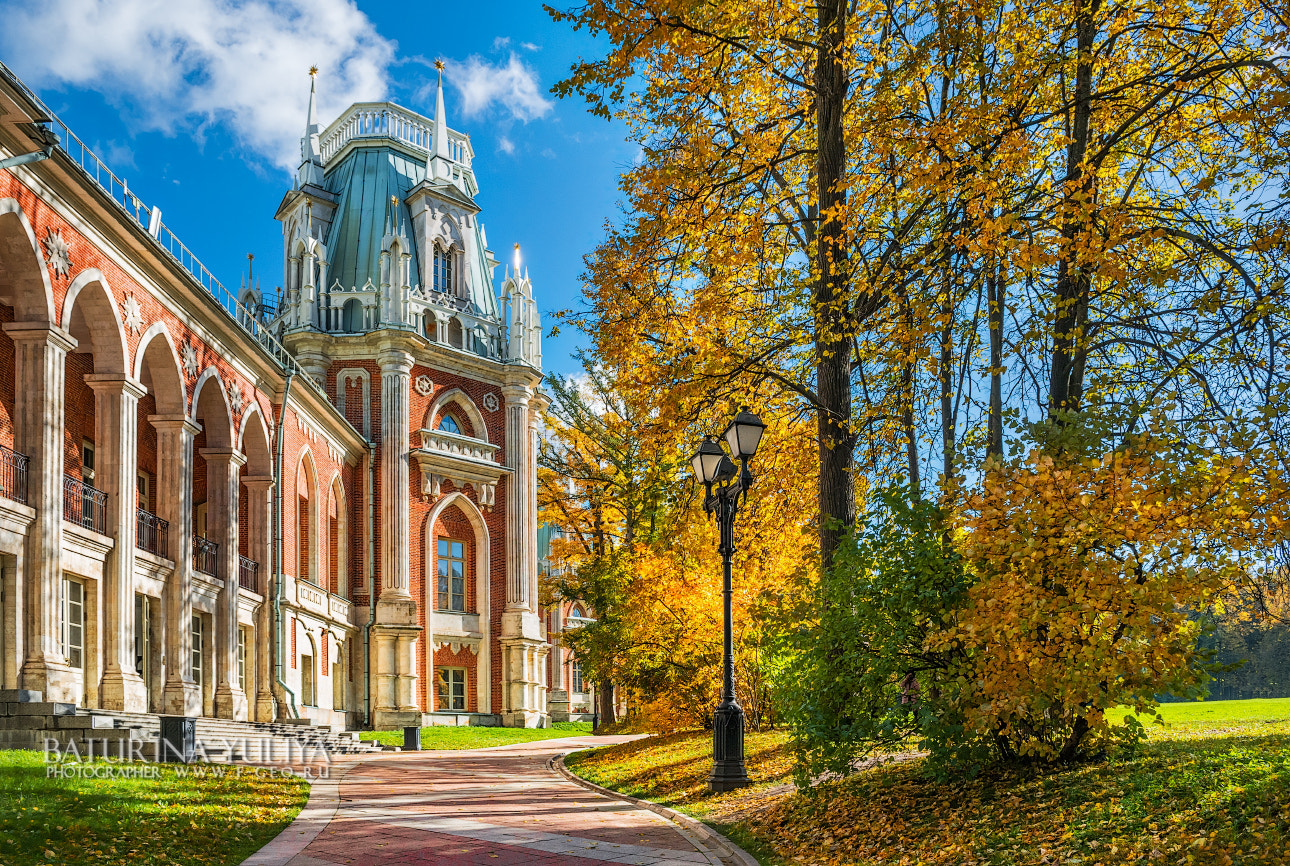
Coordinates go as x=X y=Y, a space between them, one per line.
x=149 y=219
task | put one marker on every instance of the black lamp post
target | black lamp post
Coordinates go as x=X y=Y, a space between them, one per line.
x=725 y=484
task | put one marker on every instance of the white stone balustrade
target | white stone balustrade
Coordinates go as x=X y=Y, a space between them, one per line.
x=458 y=446
x=385 y=120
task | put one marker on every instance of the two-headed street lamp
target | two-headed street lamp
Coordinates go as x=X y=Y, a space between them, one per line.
x=725 y=484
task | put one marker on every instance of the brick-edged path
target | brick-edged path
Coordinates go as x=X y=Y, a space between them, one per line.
x=502 y=806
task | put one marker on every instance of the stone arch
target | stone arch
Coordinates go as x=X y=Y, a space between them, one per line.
x=456 y=333
x=253 y=441
x=210 y=407
x=156 y=364
x=295 y=266
x=483 y=597
x=307 y=518
x=461 y=400
x=91 y=316
x=24 y=276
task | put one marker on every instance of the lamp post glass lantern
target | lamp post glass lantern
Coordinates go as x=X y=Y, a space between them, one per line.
x=725 y=485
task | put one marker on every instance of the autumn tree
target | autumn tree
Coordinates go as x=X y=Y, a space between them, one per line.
x=637 y=548
x=995 y=249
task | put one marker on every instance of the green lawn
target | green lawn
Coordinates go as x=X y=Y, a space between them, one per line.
x=171 y=819
x=1212 y=786
x=1183 y=719
x=470 y=737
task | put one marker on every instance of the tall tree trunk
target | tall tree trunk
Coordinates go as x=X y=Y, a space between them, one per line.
x=946 y=371
x=907 y=422
x=605 y=698
x=995 y=286
x=832 y=340
x=1074 y=278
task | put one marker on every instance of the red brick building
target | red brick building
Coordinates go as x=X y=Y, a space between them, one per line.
x=317 y=505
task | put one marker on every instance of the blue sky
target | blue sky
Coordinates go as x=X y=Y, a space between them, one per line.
x=199 y=105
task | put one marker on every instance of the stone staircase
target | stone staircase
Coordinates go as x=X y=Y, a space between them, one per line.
x=27 y=722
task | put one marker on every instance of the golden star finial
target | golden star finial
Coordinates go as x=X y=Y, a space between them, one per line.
x=313 y=71
x=438 y=64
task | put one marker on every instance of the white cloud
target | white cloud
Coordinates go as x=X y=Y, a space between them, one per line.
x=505 y=145
x=513 y=86
x=119 y=155
x=501 y=42
x=529 y=46
x=180 y=65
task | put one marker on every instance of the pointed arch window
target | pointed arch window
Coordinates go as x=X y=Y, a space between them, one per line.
x=444 y=268
x=448 y=424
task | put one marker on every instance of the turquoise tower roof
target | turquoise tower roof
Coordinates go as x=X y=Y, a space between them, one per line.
x=364 y=182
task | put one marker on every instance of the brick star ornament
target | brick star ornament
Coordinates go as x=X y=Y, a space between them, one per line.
x=133 y=315
x=424 y=386
x=490 y=401
x=235 y=399
x=58 y=252
x=188 y=357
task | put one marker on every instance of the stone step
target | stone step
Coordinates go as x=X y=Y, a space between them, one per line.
x=28 y=723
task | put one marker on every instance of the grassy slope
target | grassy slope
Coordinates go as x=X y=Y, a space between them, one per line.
x=168 y=820
x=445 y=737
x=1212 y=787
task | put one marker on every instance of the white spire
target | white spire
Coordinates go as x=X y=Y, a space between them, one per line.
x=310 y=150
x=440 y=158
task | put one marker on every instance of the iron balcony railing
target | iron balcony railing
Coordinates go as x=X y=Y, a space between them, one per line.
x=13 y=475
x=248 y=571
x=152 y=534
x=84 y=505
x=205 y=556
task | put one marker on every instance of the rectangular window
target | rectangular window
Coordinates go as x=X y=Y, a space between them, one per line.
x=144 y=490
x=452 y=574
x=87 y=461
x=74 y=622
x=452 y=688
x=241 y=659
x=195 y=669
x=575 y=677
x=443 y=281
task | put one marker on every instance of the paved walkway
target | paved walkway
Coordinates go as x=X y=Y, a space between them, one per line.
x=498 y=806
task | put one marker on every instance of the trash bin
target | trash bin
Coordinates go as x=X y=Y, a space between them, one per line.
x=412 y=739
x=178 y=739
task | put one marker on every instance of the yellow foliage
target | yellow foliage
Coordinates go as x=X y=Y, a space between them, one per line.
x=1088 y=572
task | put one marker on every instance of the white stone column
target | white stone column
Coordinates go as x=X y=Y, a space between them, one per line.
x=396 y=369
x=396 y=630
x=530 y=507
x=222 y=489
x=259 y=509
x=517 y=488
x=40 y=356
x=11 y=587
x=308 y=292
x=175 y=434
x=116 y=431
x=521 y=629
